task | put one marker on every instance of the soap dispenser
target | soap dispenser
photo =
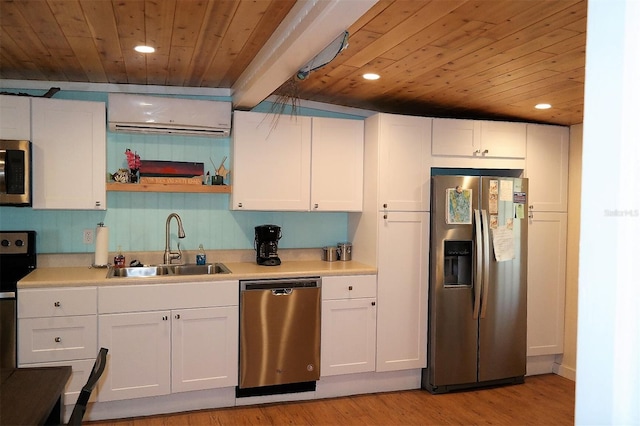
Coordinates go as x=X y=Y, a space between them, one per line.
x=201 y=257
x=118 y=260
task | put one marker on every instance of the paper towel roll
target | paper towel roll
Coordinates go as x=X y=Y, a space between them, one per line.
x=102 y=246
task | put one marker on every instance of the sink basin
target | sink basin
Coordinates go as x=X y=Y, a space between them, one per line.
x=142 y=272
x=167 y=270
x=206 y=269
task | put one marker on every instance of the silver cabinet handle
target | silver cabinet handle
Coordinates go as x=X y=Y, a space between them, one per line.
x=177 y=316
x=98 y=203
x=486 y=151
x=373 y=303
x=58 y=339
x=315 y=206
x=165 y=318
x=239 y=204
x=56 y=304
x=350 y=287
x=384 y=206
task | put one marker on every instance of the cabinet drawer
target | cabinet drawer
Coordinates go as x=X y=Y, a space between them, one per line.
x=35 y=303
x=80 y=372
x=348 y=287
x=57 y=338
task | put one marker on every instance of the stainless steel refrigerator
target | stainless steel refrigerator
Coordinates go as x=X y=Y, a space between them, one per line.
x=477 y=282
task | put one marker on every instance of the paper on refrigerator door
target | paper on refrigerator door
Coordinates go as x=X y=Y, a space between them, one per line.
x=503 y=248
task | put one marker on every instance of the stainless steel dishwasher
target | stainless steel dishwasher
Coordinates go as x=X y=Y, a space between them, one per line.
x=279 y=332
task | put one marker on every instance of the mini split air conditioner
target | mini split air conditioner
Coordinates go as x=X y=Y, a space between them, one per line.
x=153 y=114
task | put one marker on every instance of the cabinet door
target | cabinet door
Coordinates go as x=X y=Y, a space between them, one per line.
x=547 y=167
x=455 y=137
x=404 y=163
x=139 y=358
x=348 y=336
x=546 y=283
x=271 y=162
x=69 y=154
x=15 y=117
x=503 y=139
x=204 y=348
x=402 y=290
x=337 y=147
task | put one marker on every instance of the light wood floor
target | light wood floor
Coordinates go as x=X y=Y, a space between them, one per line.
x=541 y=400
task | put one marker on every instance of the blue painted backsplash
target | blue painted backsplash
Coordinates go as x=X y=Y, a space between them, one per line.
x=136 y=221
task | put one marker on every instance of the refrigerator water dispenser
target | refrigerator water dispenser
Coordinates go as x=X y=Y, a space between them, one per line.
x=458 y=263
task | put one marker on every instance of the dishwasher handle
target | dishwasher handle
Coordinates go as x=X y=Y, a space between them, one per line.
x=282 y=291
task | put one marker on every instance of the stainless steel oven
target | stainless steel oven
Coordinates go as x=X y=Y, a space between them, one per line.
x=15 y=173
x=17 y=259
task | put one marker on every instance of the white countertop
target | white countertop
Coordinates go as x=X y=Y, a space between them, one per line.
x=74 y=276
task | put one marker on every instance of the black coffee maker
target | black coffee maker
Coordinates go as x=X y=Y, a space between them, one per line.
x=266 y=245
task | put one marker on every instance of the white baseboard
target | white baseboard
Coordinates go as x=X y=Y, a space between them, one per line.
x=564 y=371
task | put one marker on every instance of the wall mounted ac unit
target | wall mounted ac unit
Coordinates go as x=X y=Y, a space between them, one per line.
x=153 y=114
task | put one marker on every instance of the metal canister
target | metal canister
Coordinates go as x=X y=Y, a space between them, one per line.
x=344 y=251
x=330 y=254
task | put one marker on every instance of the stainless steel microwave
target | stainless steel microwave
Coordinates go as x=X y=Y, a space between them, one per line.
x=15 y=173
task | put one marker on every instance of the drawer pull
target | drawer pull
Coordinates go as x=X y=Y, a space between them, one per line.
x=56 y=304
x=58 y=339
x=350 y=287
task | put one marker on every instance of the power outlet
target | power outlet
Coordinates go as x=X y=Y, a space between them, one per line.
x=87 y=236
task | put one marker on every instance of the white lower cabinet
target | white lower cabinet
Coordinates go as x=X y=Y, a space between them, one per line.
x=546 y=283
x=204 y=348
x=190 y=345
x=348 y=324
x=139 y=357
x=58 y=326
x=402 y=290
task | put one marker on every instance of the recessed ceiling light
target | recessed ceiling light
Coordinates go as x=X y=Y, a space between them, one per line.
x=144 y=49
x=370 y=76
x=543 y=106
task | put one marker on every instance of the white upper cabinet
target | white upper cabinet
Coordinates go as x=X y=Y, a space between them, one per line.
x=475 y=138
x=271 y=167
x=284 y=163
x=69 y=154
x=337 y=147
x=547 y=167
x=403 y=160
x=15 y=117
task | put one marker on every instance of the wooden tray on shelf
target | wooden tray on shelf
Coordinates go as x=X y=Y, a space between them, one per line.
x=162 y=187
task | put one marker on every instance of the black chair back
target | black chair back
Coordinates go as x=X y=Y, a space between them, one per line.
x=85 y=393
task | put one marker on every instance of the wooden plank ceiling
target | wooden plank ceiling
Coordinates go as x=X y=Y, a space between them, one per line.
x=448 y=58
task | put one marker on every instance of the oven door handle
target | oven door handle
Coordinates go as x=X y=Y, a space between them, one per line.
x=3 y=171
x=282 y=291
x=8 y=295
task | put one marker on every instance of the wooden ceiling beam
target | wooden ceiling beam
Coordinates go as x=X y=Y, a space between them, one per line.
x=309 y=27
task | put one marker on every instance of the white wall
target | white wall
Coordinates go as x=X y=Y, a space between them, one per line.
x=608 y=367
x=567 y=361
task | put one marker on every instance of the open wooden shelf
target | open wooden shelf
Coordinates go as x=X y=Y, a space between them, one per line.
x=160 y=187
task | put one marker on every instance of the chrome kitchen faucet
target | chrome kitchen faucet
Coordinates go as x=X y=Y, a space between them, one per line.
x=168 y=254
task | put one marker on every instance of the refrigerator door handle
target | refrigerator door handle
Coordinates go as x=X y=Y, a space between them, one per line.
x=485 y=264
x=477 y=285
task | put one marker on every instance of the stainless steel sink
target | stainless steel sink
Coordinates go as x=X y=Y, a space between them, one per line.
x=207 y=269
x=168 y=270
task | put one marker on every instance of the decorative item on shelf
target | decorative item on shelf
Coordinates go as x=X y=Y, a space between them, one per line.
x=133 y=161
x=221 y=172
x=121 y=176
